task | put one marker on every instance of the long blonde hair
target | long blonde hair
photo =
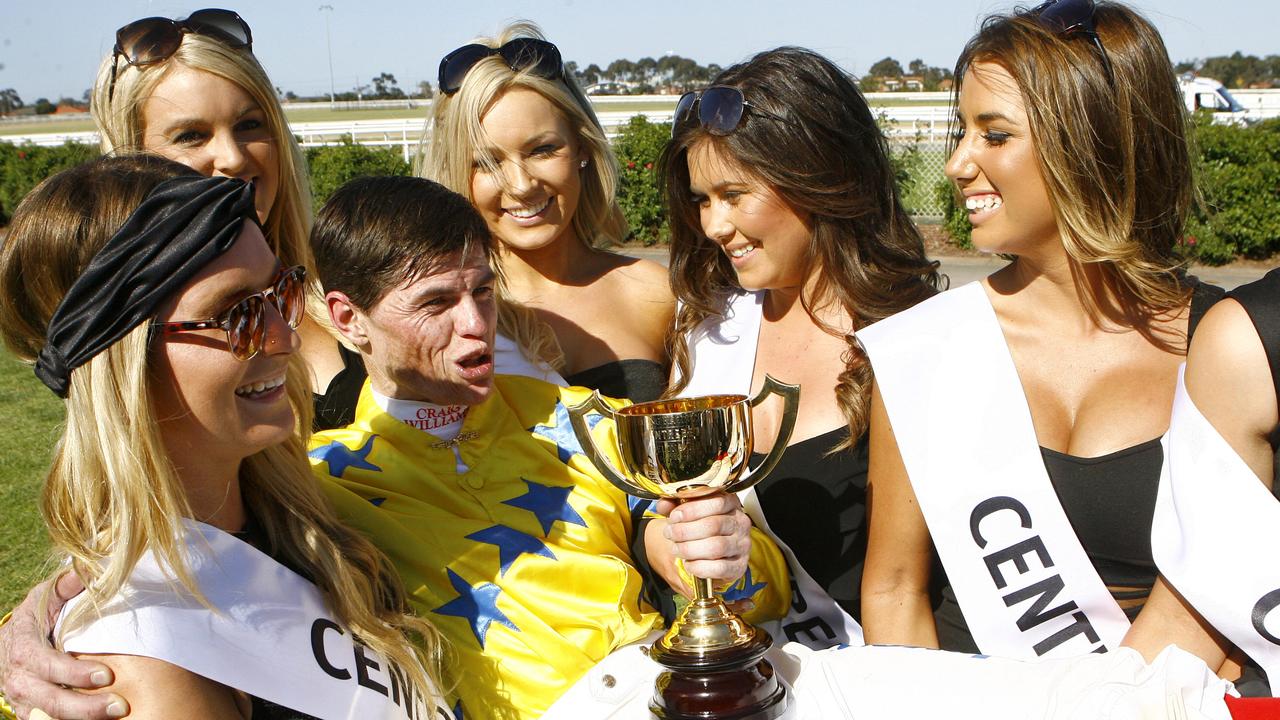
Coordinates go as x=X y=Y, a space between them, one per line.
x=1112 y=149
x=120 y=125
x=112 y=493
x=447 y=154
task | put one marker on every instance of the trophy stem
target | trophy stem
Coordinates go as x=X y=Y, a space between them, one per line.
x=702 y=589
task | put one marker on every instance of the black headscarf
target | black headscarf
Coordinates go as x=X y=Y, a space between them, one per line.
x=182 y=226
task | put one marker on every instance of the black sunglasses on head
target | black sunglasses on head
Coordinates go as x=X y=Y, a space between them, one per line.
x=537 y=56
x=1072 y=17
x=720 y=109
x=155 y=39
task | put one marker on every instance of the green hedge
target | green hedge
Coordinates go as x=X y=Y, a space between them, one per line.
x=332 y=166
x=22 y=167
x=637 y=147
x=1238 y=173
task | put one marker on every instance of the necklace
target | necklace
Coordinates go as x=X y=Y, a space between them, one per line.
x=456 y=441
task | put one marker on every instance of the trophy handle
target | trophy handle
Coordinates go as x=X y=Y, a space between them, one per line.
x=578 y=419
x=790 y=405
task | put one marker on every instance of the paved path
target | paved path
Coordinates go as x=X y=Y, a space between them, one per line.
x=966 y=269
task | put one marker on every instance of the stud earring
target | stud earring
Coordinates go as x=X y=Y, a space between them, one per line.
x=582 y=164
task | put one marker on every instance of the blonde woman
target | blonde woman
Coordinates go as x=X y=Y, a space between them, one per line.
x=1017 y=423
x=192 y=91
x=218 y=582
x=512 y=131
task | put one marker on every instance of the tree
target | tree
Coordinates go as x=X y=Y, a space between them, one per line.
x=591 y=75
x=384 y=86
x=621 y=70
x=917 y=67
x=424 y=88
x=9 y=101
x=887 y=67
x=44 y=107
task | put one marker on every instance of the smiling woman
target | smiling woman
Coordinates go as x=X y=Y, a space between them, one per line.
x=147 y=298
x=192 y=91
x=787 y=235
x=513 y=132
x=1016 y=424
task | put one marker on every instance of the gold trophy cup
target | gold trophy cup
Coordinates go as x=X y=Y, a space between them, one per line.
x=679 y=449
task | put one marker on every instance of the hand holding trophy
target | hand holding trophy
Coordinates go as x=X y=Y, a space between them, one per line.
x=684 y=448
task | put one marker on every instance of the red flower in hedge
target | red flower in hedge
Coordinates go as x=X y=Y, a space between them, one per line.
x=631 y=166
x=648 y=166
x=22 y=155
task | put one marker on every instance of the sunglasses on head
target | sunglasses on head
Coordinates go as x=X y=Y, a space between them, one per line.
x=245 y=322
x=537 y=56
x=720 y=109
x=155 y=39
x=1072 y=17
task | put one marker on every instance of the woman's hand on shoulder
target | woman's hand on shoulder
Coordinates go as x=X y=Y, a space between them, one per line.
x=158 y=690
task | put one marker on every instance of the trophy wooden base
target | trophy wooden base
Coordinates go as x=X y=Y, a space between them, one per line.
x=732 y=684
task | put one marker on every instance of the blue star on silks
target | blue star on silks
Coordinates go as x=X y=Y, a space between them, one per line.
x=746 y=591
x=640 y=506
x=561 y=432
x=479 y=605
x=549 y=503
x=340 y=457
x=457 y=711
x=511 y=544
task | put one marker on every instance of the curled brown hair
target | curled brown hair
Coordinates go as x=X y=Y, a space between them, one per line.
x=824 y=155
x=1112 y=150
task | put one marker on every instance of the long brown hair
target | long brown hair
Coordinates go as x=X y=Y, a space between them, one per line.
x=1112 y=149
x=823 y=154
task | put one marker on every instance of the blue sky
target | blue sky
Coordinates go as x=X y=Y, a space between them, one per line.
x=51 y=48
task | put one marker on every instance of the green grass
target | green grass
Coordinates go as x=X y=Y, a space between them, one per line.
x=30 y=416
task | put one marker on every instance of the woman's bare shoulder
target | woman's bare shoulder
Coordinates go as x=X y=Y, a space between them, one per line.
x=158 y=689
x=640 y=279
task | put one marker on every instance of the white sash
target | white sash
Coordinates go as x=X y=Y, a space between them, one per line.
x=964 y=430
x=1215 y=529
x=271 y=635
x=724 y=356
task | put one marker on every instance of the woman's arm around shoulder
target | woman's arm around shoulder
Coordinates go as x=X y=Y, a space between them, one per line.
x=895 y=583
x=158 y=690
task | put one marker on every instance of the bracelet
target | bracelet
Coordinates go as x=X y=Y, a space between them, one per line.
x=6 y=712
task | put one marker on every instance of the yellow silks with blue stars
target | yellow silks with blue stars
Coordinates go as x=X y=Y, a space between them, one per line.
x=522 y=562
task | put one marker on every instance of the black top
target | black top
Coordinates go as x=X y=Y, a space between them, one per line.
x=817 y=504
x=337 y=406
x=1115 y=534
x=636 y=380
